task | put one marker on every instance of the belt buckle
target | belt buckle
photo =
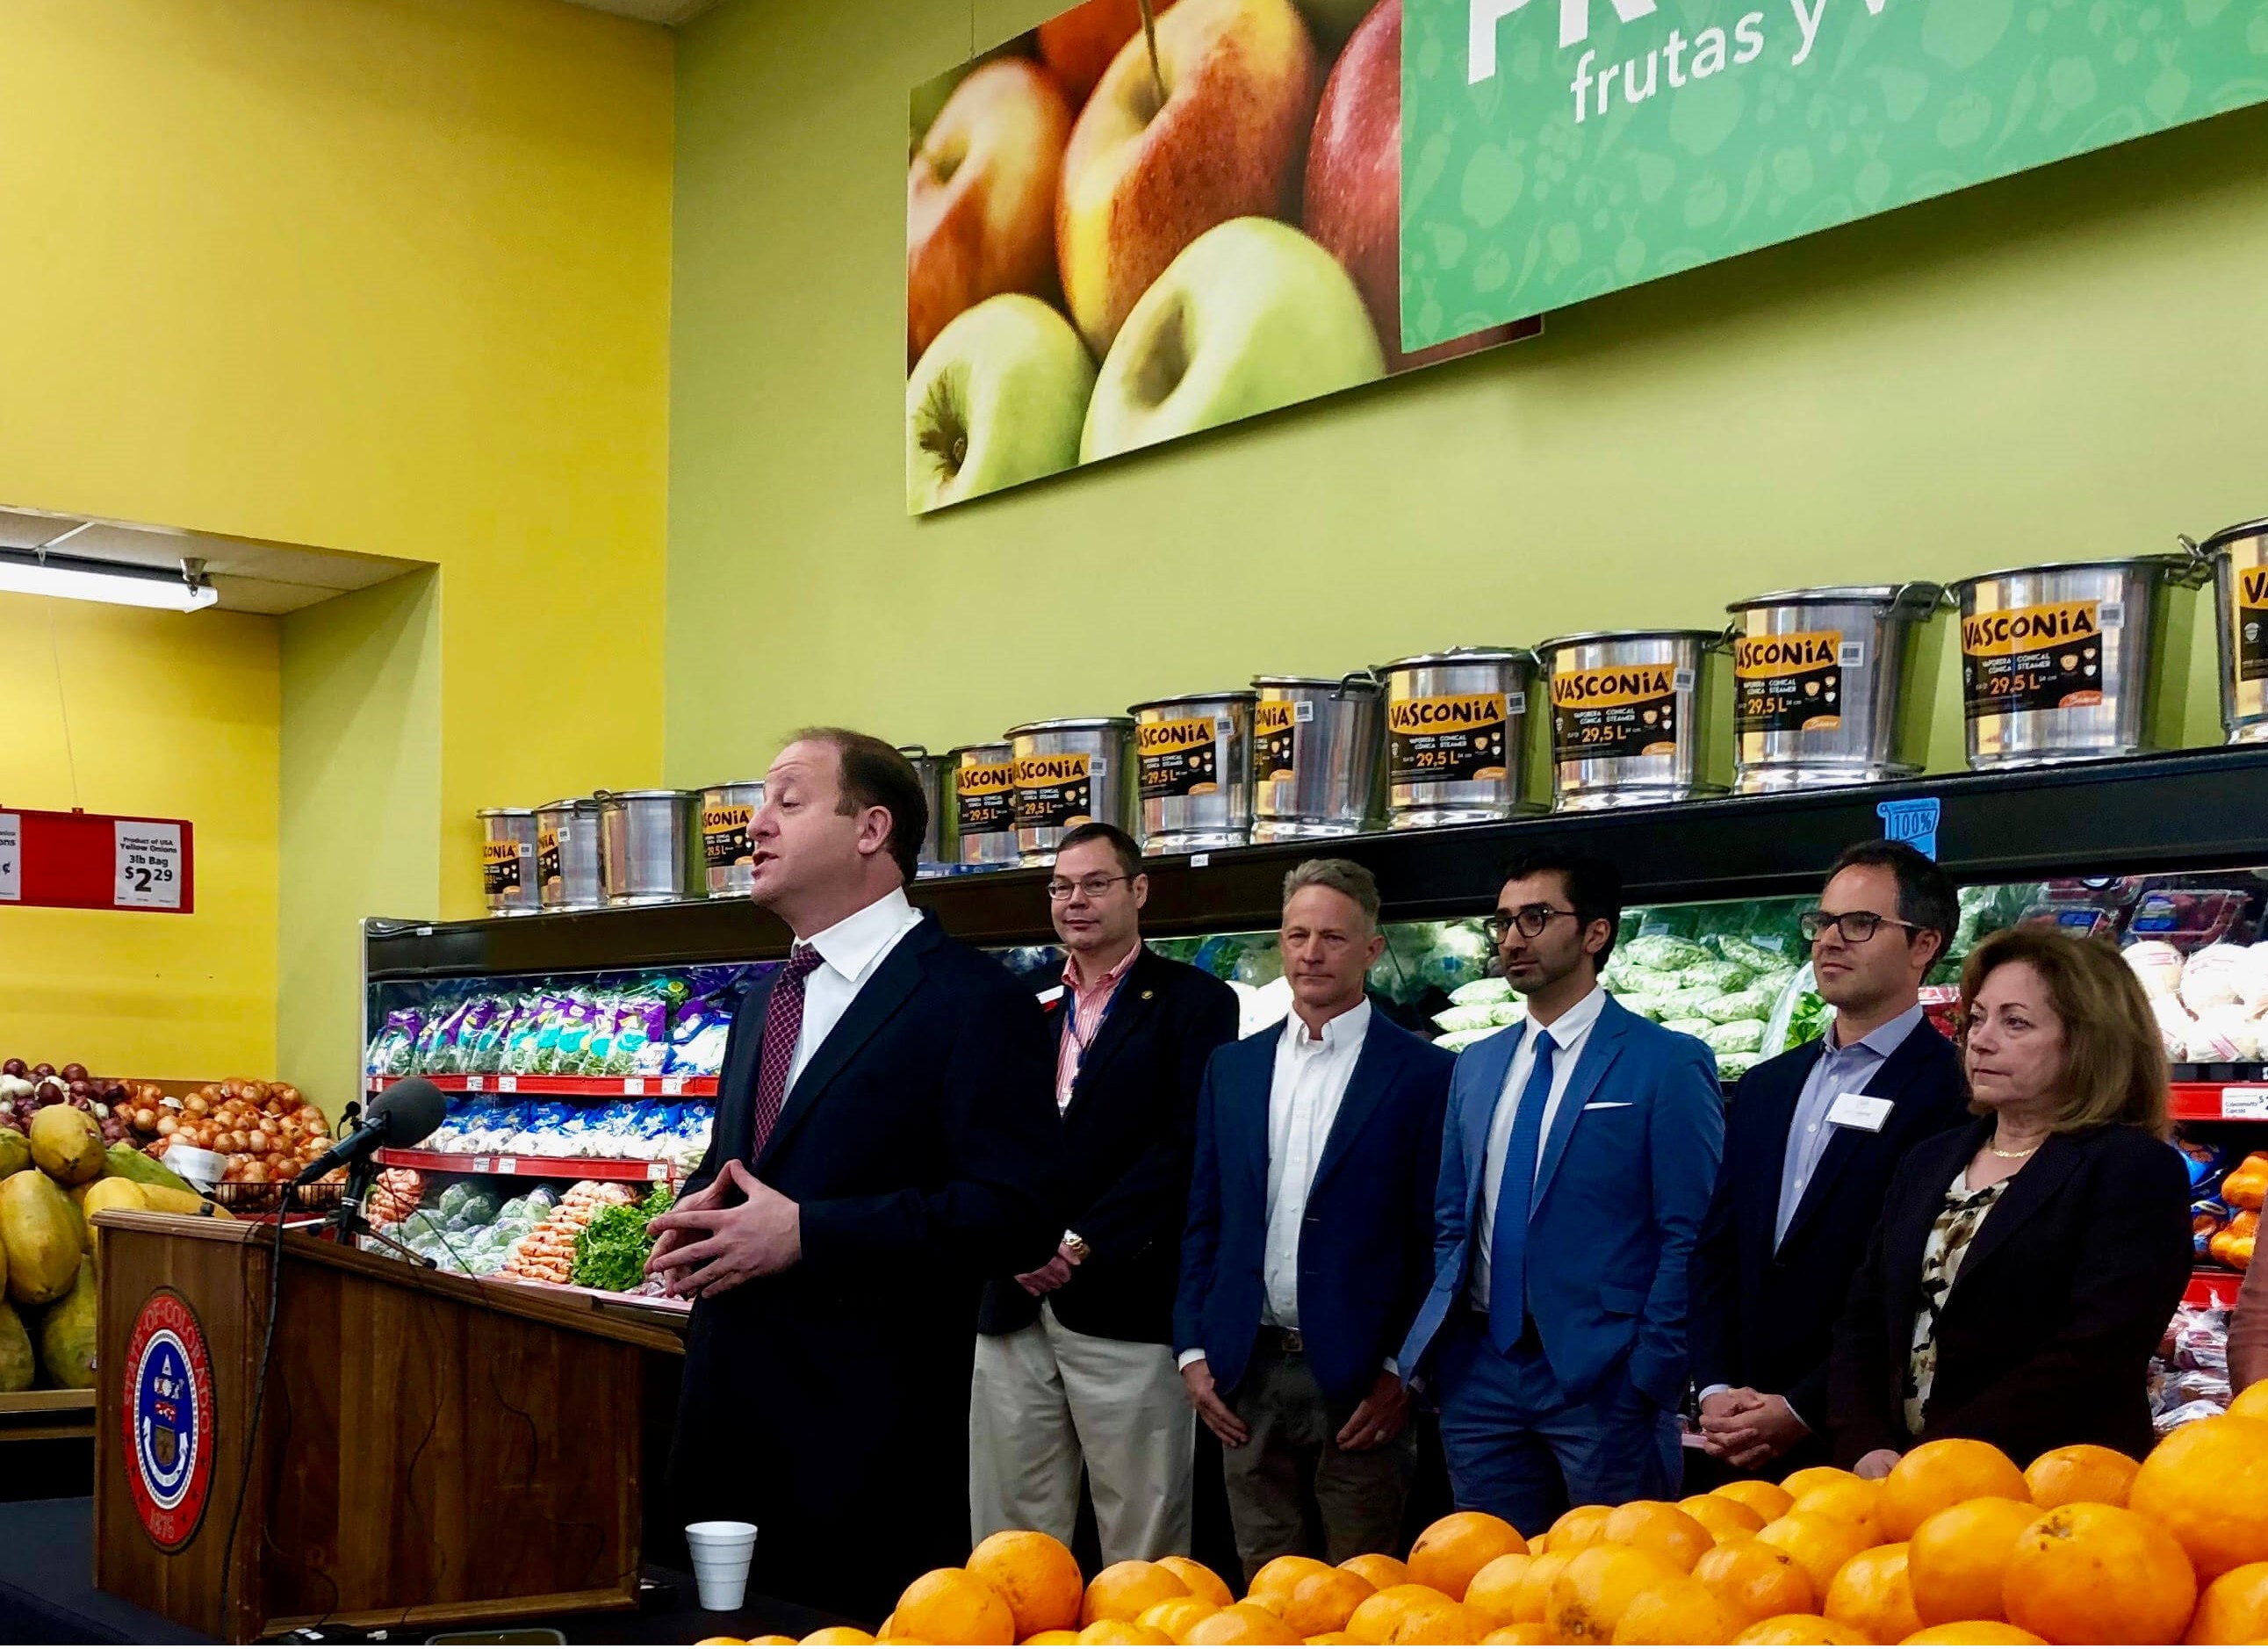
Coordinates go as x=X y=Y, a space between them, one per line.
x=1292 y=1343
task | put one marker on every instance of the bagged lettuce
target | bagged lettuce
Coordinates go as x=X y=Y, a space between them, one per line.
x=1476 y=1017
x=1735 y=1036
x=1454 y=1040
x=1690 y=1027
x=1756 y=1002
x=1646 y=1005
x=1716 y=971
x=1686 y=1002
x=1481 y=992
x=1664 y=951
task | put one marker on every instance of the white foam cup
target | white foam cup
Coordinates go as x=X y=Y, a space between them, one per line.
x=721 y=1552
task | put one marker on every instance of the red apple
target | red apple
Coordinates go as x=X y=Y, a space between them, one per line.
x=980 y=196
x=1145 y=176
x=1354 y=185
x=1078 y=44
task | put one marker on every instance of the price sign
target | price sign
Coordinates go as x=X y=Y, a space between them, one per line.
x=657 y=1170
x=507 y=1165
x=81 y=861
x=11 y=857
x=146 y=863
x=633 y=1086
x=671 y=1086
x=2244 y=1105
x=507 y=1085
x=473 y=1083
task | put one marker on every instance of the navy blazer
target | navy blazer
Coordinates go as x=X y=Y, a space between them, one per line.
x=1364 y=1247
x=1764 y=1312
x=1620 y=1192
x=921 y=1142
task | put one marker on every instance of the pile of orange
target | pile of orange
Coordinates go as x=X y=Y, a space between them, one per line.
x=1957 y=1545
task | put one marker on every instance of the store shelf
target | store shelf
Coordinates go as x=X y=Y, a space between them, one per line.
x=569 y=1088
x=33 y=1417
x=2221 y=1102
x=2194 y=810
x=528 y=1168
x=2208 y=1284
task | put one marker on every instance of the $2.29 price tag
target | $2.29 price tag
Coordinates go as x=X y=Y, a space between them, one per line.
x=148 y=864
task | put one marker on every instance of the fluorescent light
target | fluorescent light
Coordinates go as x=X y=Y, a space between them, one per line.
x=73 y=577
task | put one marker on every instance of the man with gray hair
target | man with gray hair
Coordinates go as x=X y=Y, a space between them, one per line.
x=1310 y=1239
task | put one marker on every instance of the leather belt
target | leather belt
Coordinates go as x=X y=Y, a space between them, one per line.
x=1285 y=1340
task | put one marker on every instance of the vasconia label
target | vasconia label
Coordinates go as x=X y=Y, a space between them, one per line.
x=2032 y=658
x=1054 y=792
x=1621 y=711
x=1179 y=758
x=1272 y=739
x=2251 y=621
x=1447 y=739
x=1792 y=683
x=500 y=868
x=547 y=856
x=724 y=834
x=984 y=795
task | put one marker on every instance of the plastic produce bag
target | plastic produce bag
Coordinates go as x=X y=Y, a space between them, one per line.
x=1478 y=1017
x=1756 y=1002
x=1735 y=1036
x=1694 y=1027
x=1666 y=952
x=1715 y=970
x=1482 y=991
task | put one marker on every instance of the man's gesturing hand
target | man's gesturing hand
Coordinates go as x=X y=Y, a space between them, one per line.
x=669 y=1239
x=757 y=1237
x=1219 y=1418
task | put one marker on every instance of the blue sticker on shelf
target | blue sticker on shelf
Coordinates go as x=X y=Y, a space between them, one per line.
x=1912 y=823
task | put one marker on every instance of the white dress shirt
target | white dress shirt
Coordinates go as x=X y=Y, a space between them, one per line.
x=850 y=953
x=1569 y=1032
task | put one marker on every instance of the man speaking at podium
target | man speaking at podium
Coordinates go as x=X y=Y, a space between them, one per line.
x=885 y=1139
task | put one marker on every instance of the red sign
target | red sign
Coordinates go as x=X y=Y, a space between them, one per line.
x=83 y=861
x=167 y=1394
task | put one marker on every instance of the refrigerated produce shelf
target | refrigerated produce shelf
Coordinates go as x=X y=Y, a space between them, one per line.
x=528 y=1168
x=2190 y=810
x=569 y=1088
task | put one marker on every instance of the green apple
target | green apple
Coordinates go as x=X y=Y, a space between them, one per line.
x=1251 y=317
x=997 y=399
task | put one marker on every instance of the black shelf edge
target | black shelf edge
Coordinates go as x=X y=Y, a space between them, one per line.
x=2189 y=810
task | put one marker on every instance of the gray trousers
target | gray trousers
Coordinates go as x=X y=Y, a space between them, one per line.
x=1291 y=1488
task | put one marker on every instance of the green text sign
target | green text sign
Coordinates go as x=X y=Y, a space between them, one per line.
x=1555 y=150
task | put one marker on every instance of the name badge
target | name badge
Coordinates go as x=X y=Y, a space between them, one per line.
x=1868 y=1111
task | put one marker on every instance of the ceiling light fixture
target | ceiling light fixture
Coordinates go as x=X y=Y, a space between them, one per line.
x=76 y=578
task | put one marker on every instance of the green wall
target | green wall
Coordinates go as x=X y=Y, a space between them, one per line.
x=2064 y=364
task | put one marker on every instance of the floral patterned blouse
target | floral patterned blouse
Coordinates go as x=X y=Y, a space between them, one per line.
x=1955 y=1228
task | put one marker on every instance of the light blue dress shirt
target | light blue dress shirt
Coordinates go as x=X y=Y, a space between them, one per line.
x=1838 y=1071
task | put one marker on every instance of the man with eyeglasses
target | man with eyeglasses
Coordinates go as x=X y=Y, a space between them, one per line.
x=1576 y=1166
x=1074 y=1367
x=1813 y=1138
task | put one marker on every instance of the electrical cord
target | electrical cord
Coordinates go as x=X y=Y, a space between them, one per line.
x=258 y=1400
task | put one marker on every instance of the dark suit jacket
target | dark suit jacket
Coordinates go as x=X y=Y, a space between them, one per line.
x=920 y=1141
x=1128 y=1136
x=1764 y=1316
x=1367 y=1250
x=2064 y=1293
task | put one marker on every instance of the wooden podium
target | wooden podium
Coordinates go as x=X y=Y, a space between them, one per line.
x=433 y=1448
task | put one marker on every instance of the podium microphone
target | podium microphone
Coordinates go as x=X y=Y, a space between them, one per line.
x=403 y=1115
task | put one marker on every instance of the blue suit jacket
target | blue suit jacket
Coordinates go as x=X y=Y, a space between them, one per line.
x=1620 y=1194
x=1365 y=1250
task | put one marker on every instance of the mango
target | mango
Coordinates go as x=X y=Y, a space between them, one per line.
x=15 y=1153
x=67 y=1143
x=17 y=1370
x=126 y=1162
x=67 y=1333
x=45 y=1238
x=164 y=1200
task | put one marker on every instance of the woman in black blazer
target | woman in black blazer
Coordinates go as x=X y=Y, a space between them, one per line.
x=2026 y=1266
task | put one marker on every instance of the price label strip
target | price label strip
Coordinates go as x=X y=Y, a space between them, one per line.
x=148 y=858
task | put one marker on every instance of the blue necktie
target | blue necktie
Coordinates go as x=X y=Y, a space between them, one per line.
x=1508 y=1247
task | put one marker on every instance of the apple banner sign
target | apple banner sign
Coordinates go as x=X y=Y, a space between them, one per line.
x=1121 y=230
x=1557 y=150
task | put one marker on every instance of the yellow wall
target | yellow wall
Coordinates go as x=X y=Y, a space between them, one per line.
x=168 y=714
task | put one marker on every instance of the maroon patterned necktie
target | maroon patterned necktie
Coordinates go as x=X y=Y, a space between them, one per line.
x=783 y=1025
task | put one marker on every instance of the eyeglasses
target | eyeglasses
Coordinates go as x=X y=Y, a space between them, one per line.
x=1531 y=920
x=1856 y=926
x=1094 y=887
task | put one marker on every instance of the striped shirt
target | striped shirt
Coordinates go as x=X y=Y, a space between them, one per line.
x=1084 y=1006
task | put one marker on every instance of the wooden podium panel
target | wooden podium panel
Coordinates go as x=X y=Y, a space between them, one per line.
x=433 y=1448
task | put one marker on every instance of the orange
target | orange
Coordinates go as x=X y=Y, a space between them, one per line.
x=840 y=1635
x=698 y=1642
x=1324 y=1603
x=1680 y=1610
x=1201 y=1581
x=2099 y=1574
x=1271 y=1587
x=1958 y=1558
x=1052 y=1637
x=1799 y=1483
x=1379 y=1615
x=1755 y=1581
x=1122 y=1632
x=952 y=1606
x=1819 y=1543
x=1493 y=1596
x=1725 y=1519
x=1037 y=1576
x=1871 y=1593
x=1973 y=1632
x=1767 y=1500
x=1438 y=1623
x=1123 y=1590
x=1588 y=1598
x=2207 y=1484
x=2080 y=1471
x=2234 y=1608
x=1330 y=1637
x=2251 y=1404
x=1241 y=1623
x=1932 y=1476
x=1379 y=1568
x=1458 y=1547
x=1527 y=1631
x=1531 y=1600
x=1176 y=1614
x=1655 y=1526
x=1853 y=1499
x=774 y=1640
x=1579 y=1527
x=1801 y=1629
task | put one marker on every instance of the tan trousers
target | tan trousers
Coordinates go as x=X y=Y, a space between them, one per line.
x=1045 y=1399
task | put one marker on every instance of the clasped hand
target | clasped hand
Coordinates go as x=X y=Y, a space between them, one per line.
x=1748 y=1427
x=704 y=1246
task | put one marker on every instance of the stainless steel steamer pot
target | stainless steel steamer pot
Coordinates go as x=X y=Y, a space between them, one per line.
x=567 y=854
x=1634 y=716
x=1068 y=772
x=508 y=862
x=1315 y=762
x=728 y=814
x=1821 y=685
x=1193 y=759
x=647 y=842
x=930 y=770
x=1456 y=726
x=2238 y=556
x=983 y=788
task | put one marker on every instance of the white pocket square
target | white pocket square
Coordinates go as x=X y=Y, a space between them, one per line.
x=1610 y=1105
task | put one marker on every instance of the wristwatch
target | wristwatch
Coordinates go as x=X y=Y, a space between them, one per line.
x=1076 y=1246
